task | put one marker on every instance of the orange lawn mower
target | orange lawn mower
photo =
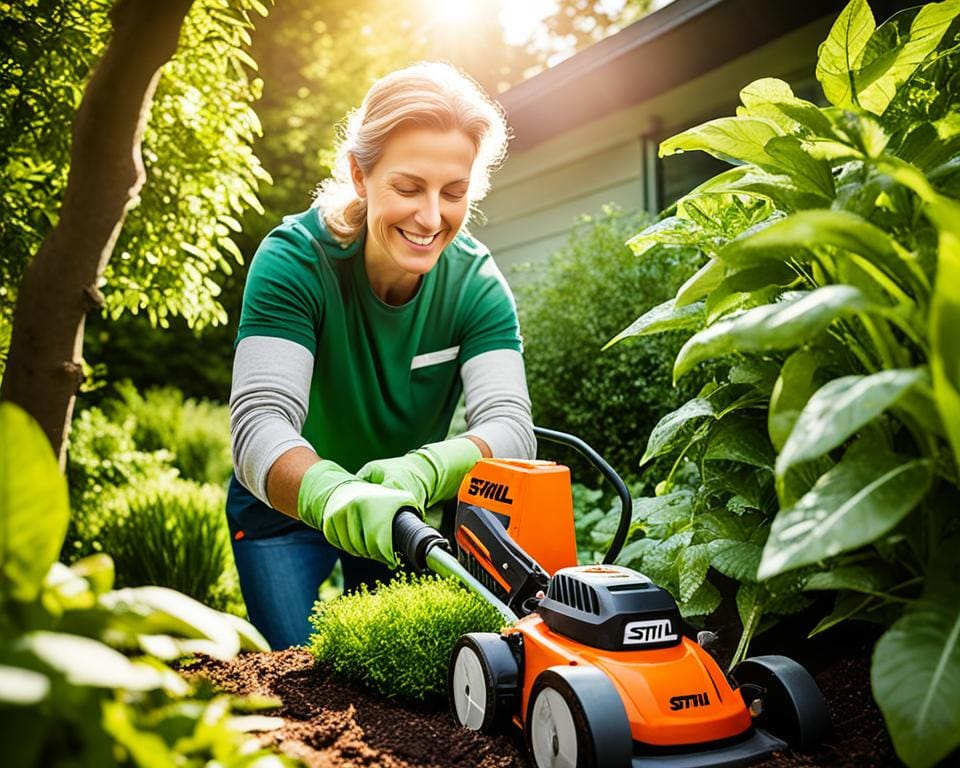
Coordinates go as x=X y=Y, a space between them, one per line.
x=596 y=667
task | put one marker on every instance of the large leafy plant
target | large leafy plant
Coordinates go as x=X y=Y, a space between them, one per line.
x=828 y=458
x=82 y=675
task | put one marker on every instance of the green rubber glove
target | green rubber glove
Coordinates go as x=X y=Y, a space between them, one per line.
x=430 y=474
x=355 y=516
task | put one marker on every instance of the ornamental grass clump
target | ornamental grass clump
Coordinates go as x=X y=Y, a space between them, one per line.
x=398 y=639
x=172 y=534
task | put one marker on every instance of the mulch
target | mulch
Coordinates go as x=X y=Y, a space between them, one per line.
x=331 y=723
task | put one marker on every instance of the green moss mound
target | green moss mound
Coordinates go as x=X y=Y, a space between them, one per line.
x=397 y=640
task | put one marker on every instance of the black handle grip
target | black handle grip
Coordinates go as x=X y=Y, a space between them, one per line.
x=413 y=538
x=626 y=503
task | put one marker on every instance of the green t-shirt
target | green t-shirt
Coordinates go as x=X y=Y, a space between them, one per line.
x=385 y=378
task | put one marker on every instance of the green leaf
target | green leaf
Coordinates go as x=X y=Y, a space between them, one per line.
x=779 y=188
x=245 y=57
x=808 y=173
x=796 y=383
x=841 y=407
x=22 y=687
x=665 y=434
x=848 y=605
x=98 y=570
x=758 y=373
x=748 y=603
x=694 y=564
x=861 y=498
x=854 y=578
x=783 y=325
x=764 y=91
x=916 y=668
x=945 y=320
x=879 y=80
x=34 y=510
x=66 y=589
x=632 y=554
x=840 y=54
x=663 y=317
x=701 y=283
x=660 y=509
x=738 y=440
x=88 y=662
x=773 y=99
x=161 y=611
x=809 y=116
x=734 y=139
x=910 y=176
x=736 y=559
x=814 y=229
x=673 y=230
x=703 y=602
x=148 y=750
x=250 y=637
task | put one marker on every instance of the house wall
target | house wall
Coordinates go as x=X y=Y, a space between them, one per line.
x=540 y=191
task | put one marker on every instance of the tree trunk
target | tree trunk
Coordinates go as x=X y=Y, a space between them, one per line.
x=44 y=369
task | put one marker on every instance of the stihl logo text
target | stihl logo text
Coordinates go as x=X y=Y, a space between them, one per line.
x=646 y=632
x=488 y=490
x=689 y=701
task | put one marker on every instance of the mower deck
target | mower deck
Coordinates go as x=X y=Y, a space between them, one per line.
x=730 y=753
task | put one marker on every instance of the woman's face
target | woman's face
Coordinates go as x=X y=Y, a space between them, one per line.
x=416 y=202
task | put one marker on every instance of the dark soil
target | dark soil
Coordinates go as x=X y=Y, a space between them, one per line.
x=330 y=723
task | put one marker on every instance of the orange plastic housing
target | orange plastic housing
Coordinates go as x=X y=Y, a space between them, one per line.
x=650 y=682
x=533 y=500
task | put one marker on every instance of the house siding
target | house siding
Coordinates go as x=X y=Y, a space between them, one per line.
x=541 y=190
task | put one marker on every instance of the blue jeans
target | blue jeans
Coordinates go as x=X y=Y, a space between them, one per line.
x=280 y=577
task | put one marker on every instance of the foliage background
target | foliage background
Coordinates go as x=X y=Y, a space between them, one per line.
x=607 y=398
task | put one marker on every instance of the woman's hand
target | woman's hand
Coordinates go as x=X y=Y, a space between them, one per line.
x=431 y=474
x=354 y=515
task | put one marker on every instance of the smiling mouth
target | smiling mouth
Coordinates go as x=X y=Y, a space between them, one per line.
x=418 y=239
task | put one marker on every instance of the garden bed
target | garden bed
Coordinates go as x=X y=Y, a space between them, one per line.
x=330 y=723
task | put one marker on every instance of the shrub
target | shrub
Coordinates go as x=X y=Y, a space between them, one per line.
x=172 y=534
x=129 y=499
x=197 y=433
x=102 y=461
x=609 y=399
x=397 y=640
x=828 y=459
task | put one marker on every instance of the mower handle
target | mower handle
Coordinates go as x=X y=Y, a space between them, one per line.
x=425 y=548
x=626 y=503
x=413 y=538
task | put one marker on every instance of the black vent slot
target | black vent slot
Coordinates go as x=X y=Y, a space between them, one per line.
x=480 y=574
x=574 y=593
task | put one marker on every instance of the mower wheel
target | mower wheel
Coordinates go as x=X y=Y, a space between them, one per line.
x=576 y=719
x=791 y=705
x=482 y=682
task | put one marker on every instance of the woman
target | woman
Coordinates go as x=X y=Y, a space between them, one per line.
x=363 y=319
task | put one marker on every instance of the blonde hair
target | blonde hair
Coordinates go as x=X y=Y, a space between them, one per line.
x=429 y=95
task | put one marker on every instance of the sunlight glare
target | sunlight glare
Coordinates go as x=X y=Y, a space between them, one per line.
x=452 y=13
x=520 y=19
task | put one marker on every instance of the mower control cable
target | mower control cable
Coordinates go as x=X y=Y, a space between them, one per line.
x=626 y=502
x=425 y=548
